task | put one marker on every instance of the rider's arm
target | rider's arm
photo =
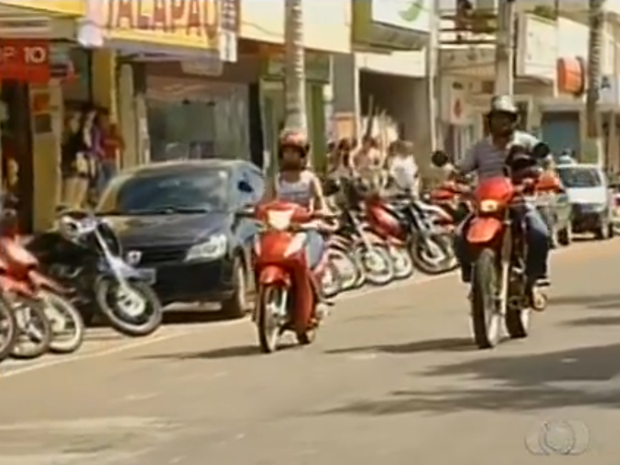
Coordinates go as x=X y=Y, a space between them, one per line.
x=469 y=163
x=270 y=191
x=320 y=204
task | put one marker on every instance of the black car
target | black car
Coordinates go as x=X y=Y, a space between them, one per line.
x=178 y=218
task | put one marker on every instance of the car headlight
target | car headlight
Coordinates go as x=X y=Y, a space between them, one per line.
x=214 y=247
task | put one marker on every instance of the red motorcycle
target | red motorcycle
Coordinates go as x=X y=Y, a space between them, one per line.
x=45 y=319
x=496 y=237
x=288 y=291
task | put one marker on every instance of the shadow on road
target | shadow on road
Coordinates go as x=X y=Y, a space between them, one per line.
x=592 y=301
x=191 y=317
x=594 y=321
x=220 y=353
x=430 y=345
x=574 y=377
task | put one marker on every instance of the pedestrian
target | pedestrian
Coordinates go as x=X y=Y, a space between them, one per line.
x=91 y=135
x=403 y=169
x=113 y=146
x=74 y=164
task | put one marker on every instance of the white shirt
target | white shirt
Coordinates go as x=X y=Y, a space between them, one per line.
x=405 y=173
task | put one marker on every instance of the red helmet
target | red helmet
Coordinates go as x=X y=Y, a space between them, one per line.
x=295 y=139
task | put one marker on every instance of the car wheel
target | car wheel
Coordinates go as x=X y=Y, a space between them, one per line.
x=565 y=235
x=602 y=232
x=237 y=305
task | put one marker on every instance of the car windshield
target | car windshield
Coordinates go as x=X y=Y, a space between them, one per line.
x=188 y=191
x=580 y=177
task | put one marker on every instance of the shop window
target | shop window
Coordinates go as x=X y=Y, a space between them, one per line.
x=77 y=88
x=208 y=123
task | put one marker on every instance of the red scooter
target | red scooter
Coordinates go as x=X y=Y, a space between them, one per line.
x=287 y=290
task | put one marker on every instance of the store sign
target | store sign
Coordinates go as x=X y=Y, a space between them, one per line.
x=24 y=60
x=609 y=90
x=413 y=15
x=175 y=23
x=537 y=48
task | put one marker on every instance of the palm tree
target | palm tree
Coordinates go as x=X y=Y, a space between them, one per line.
x=295 y=76
x=595 y=45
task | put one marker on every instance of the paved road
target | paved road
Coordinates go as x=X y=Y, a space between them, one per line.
x=393 y=379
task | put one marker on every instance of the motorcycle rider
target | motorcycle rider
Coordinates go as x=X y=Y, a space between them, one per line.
x=295 y=183
x=487 y=159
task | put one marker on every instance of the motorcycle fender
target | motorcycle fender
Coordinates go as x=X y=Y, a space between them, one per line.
x=271 y=275
x=483 y=230
x=43 y=282
x=8 y=284
x=125 y=270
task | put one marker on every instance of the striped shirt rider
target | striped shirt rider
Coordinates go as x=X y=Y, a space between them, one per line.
x=488 y=160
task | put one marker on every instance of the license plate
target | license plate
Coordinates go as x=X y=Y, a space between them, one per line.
x=148 y=275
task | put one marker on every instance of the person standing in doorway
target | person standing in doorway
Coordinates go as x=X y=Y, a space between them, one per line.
x=113 y=146
x=73 y=164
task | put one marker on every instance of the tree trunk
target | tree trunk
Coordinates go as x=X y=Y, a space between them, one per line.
x=295 y=77
x=595 y=46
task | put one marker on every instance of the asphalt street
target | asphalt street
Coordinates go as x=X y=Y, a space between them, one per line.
x=393 y=378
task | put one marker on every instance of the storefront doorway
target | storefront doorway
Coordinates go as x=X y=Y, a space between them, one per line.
x=16 y=140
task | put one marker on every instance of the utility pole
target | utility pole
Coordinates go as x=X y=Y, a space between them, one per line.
x=593 y=149
x=504 y=48
x=295 y=69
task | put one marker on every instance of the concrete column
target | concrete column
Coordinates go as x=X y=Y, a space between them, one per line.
x=104 y=80
x=127 y=119
x=346 y=89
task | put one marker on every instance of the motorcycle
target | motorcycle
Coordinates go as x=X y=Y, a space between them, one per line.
x=496 y=237
x=350 y=270
x=85 y=255
x=43 y=315
x=410 y=225
x=288 y=292
x=8 y=327
x=366 y=252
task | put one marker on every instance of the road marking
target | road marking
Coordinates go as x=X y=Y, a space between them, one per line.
x=63 y=360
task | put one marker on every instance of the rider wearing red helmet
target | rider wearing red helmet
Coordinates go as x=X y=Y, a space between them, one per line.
x=296 y=183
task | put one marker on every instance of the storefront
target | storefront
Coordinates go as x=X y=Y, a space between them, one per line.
x=199 y=113
x=170 y=34
x=34 y=39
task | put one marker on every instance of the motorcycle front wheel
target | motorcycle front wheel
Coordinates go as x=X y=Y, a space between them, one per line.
x=434 y=256
x=271 y=312
x=350 y=271
x=68 y=327
x=486 y=319
x=133 y=310
x=8 y=329
x=377 y=263
x=402 y=262
x=331 y=281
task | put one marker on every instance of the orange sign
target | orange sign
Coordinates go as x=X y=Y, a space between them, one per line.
x=24 y=60
x=571 y=75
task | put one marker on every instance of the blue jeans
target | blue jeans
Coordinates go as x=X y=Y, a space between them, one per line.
x=315 y=246
x=537 y=236
x=107 y=170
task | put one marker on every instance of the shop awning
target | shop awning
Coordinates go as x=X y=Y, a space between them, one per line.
x=27 y=23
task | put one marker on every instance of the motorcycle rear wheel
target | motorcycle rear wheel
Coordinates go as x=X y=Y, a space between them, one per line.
x=486 y=320
x=8 y=329
x=33 y=327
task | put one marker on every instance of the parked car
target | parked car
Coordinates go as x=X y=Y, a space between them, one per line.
x=590 y=197
x=178 y=218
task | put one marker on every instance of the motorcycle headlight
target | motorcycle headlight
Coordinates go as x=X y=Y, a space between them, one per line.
x=489 y=206
x=214 y=247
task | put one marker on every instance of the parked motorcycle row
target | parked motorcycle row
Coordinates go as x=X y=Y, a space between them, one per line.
x=52 y=286
x=382 y=239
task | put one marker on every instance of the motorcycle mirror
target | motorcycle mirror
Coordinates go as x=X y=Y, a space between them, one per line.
x=540 y=151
